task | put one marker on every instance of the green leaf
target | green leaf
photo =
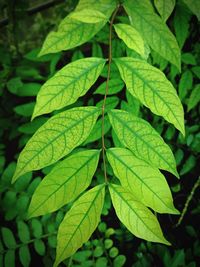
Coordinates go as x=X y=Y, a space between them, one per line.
x=64 y=183
x=135 y=216
x=145 y=182
x=185 y=84
x=194 y=6
x=25 y=110
x=104 y=6
x=96 y=132
x=151 y=87
x=39 y=247
x=23 y=231
x=79 y=223
x=131 y=37
x=88 y=16
x=139 y=136
x=70 y=34
x=68 y=84
x=24 y=255
x=194 y=98
x=9 y=260
x=115 y=85
x=181 y=23
x=153 y=30
x=56 y=138
x=8 y=237
x=165 y=7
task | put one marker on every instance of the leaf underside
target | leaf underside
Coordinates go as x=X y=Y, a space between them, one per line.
x=146 y=183
x=135 y=216
x=139 y=136
x=68 y=84
x=154 y=31
x=64 y=183
x=79 y=223
x=153 y=89
x=56 y=138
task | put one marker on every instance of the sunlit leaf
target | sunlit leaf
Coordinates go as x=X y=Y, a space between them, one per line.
x=70 y=34
x=139 y=136
x=164 y=7
x=56 y=138
x=131 y=37
x=153 y=30
x=68 y=84
x=153 y=89
x=79 y=223
x=145 y=182
x=64 y=183
x=88 y=16
x=135 y=216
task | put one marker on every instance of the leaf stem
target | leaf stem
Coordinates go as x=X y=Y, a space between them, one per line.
x=106 y=93
x=188 y=201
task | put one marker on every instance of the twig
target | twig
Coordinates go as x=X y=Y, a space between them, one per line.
x=188 y=201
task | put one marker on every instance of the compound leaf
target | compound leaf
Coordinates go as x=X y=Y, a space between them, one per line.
x=88 y=16
x=145 y=182
x=139 y=136
x=68 y=84
x=56 y=138
x=153 y=30
x=64 y=183
x=135 y=216
x=153 y=89
x=131 y=37
x=164 y=7
x=79 y=223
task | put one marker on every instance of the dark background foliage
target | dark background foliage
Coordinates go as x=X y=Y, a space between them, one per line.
x=24 y=25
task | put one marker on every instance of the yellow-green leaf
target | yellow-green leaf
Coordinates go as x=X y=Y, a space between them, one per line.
x=64 y=183
x=153 y=89
x=141 y=138
x=88 y=16
x=56 y=138
x=145 y=182
x=79 y=223
x=131 y=37
x=70 y=34
x=135 y=216
x=153 y=30
x=164 y=7
x=104 y=6
x=68 y=84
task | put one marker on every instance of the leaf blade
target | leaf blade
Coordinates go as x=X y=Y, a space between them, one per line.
x=64 y=183
x=145 y=182
x=71 y=236
x=56 y=138
x=138 y=135
x=131 y=37
x=135 y=216
x=67 y=85
x=154 y=31
x=153 y=89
